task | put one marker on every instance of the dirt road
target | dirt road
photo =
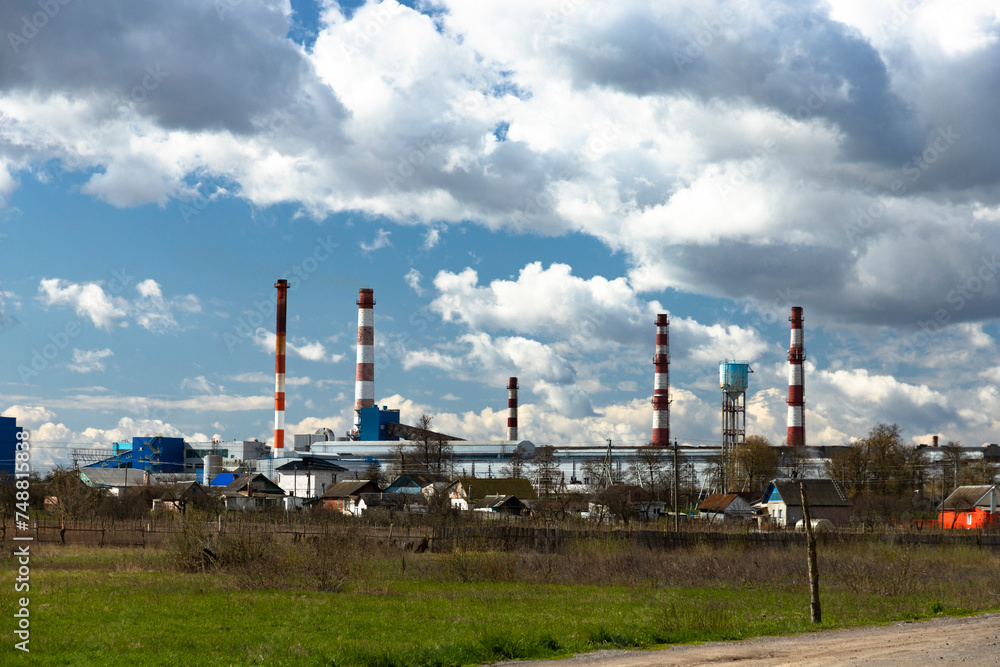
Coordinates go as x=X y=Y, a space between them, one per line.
x=942 y=641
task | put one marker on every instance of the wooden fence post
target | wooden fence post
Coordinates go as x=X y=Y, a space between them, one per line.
x=815 y=613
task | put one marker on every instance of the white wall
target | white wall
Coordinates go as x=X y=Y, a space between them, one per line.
x=306 y=483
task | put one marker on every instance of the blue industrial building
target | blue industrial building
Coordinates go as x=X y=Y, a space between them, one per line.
x=8 y=443
x=153 y=453
x=374 y=421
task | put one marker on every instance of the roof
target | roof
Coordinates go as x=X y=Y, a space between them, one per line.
x=182 y=490
x=633 y=493
x=394 y=501
x=495 y=501
x=113 y=477
x=477 y=488
x=350 y=488
x=258 y=483
x=310 y=463
x=224 y=479
x=418 y=480
x=969 y=497
x=718 y=502
x=820 y=492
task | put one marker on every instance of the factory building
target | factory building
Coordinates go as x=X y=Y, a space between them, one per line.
x=309 y=465
x=153 y=453
x=9 y=431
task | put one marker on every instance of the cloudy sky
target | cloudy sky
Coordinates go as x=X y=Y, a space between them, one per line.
x=525 y=185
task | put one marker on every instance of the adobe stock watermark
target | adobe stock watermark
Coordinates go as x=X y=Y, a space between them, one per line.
x=264 y=308
x=44 y=355
x=22 y=533
x=30 y=27
x=901 y=15
x=773 y=311
x=419 y=151
x=758 y=158
x=124 y=108
x=565 y=9
x=364 y=36
x=543 y=203
x=710 y=30
x=396 y=350
x=192 y=206
x=958 y=297
x=913 y=169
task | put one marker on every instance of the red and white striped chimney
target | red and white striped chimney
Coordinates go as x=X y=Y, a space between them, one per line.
x=279 y=370
x=796 y=409
x=364 y=381
x=661 y=383
x=512 y=410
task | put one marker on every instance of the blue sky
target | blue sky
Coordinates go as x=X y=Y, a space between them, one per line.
x=524 y=185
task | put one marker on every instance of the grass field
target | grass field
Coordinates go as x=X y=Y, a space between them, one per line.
x=280 y=604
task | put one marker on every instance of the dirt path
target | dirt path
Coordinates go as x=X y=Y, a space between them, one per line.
x=943 y=641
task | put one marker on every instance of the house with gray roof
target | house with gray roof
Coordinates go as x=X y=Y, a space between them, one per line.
x=970 y=507
x=782 y=501
x=308 y=477
x=252 y=491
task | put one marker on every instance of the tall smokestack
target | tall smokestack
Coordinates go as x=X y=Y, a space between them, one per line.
x=796 y=355
x=364 y=384
x=512 y=410
x=279 y=370
x=661 y=383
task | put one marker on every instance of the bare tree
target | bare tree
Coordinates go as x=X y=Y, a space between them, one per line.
x=592 y=474
x=648 y=470
x=514 y=468
x=399 y=460
x=546 y=469
x=74 y=499
x=430 y=454
x=791 y=463
x=755 y=463
x=954 y=463
x=375 y=473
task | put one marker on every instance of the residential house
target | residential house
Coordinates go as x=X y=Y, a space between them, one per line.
x=625 y=501
x=470 y=490
x=308 y=477
x=252 y=491
x=414 y=483
x=782 y=501
x=501 y=504
x=181 y=495
x=116 y=481
x=393 y=502
x=346 y=497
x=726 y=506
x=970 y=508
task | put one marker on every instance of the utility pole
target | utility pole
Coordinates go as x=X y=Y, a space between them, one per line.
x=815 y=613
x=677 y=492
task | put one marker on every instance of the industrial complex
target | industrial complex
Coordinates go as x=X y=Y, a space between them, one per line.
x=305 y=466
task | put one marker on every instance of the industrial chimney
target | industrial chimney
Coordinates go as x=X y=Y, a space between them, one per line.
x=512 y=410
x=661 y=384
x=796 y=409
x=364 y=385
x=279 y=370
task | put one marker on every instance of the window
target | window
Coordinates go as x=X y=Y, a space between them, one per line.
x=968 y=519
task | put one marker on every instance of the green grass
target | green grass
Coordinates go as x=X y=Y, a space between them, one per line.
x=118 y=607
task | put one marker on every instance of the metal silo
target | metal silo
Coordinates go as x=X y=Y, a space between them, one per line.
x=213 y=466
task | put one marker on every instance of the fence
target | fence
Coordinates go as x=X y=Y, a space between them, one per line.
x=500 y=537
